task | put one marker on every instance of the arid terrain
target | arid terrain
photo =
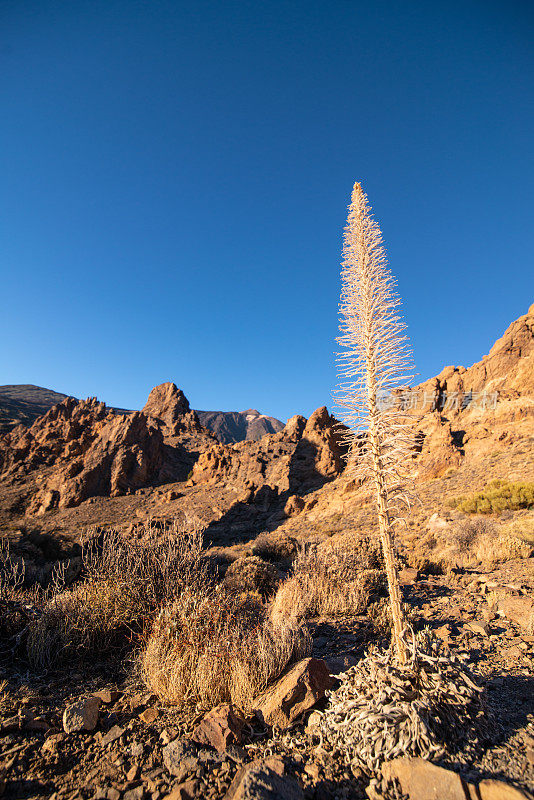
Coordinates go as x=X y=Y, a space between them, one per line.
x=183 y=607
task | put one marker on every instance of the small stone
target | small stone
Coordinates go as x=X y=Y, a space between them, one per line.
x=187 y=790
x=478 y=627
x=181 y=757
x=81 y=715
x=113 y=794
x=443 y=633
x=149 y=715
x=257 y=782
x=165 y=736
x=132 y=773
x=136 y=749
x=107 y=696
x=134 y=794
x=50 y=744
x=220 y=727
x=112 y=735
x=408 y=576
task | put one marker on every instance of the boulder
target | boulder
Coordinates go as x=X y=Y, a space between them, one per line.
x=519 y=610
x=421 y=780
x=183 y=757
x=295 y=692
x=221 y=727
x=490 y=789
x=81 y=715
x=258 y=781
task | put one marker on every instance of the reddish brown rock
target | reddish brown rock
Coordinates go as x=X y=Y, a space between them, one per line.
x=81 y=715
x=520 y=610
x=221 y=727
x=295 y=692
x=421 y=780
x=258 y=781
x=170 y=407
x=408 y=575
x=490 y=789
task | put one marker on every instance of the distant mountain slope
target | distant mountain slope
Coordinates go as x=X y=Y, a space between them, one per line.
x=238 y=426
x=24 y=403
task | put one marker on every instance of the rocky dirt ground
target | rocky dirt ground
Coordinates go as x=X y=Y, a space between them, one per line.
x=123 y=756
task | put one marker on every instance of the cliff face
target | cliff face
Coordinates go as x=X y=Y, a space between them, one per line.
x=462 y=413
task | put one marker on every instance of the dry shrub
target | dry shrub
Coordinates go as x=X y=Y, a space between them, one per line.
x=252 y=574
x=471 y=543
x=496 y=497
x=522 y=528
x=213 y=646
x=18 y=601
x=272 y=547
x=126 y=580
x=89 y=620
x=154 y=566
x=328 y=581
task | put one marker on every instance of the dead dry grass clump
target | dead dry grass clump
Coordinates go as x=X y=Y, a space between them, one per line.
x=521 y=528
x=92 y=619
x=470 y=543
x=125 y=582
x=214 y=646
x=273 y=547
x=252 y=574
x=329 y=581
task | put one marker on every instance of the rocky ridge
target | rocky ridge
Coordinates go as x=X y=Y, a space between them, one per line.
x=23 y=404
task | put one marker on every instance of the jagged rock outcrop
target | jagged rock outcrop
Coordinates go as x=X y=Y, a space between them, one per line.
x=82 y=449
x=169 y=406
x=462 y=412
x=91 y=450
x=184 y=437
x=302 y=456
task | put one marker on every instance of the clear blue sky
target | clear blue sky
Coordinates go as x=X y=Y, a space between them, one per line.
x=175 y=179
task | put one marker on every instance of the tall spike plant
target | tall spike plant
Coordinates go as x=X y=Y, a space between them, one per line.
x=374 y=365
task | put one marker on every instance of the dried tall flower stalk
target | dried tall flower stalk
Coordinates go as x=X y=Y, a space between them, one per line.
x=374 y=363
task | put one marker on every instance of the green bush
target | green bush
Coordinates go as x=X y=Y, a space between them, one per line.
x=497 y=496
